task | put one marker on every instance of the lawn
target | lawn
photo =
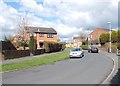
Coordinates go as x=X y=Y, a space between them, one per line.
x=36 y=61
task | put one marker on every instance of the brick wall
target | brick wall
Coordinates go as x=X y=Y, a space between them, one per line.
x=96 y=33
x=45 y=38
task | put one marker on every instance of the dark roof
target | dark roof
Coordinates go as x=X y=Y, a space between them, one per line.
x=6 y=45
x=103 y=29
x=76 y=37
x=42 y=29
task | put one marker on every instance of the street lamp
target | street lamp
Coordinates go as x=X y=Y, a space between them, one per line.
x=110 y=36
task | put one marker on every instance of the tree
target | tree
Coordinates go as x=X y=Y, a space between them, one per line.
x=82 y=37
x=32 y=44
x=22 y=30
x=118 y=39
x=114 y=36
x=104 y=38
x=58 y=40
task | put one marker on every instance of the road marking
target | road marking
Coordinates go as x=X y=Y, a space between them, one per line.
x=111 y=73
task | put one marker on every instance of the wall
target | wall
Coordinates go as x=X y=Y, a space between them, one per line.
x=45 y=38
x=96 y=33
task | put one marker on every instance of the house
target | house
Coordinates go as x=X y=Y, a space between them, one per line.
x=95 y=34
x=42 y=34
x=77 y=41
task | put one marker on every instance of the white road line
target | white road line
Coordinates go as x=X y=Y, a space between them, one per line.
x=111 y=73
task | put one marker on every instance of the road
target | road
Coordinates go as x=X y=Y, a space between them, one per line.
x=93 y=68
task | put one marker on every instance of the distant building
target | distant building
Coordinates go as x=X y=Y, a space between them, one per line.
x=69 y=45
x=77 y=41
x=94 y=35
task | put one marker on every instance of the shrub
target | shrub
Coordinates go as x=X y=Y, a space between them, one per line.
x=113 y=48
x=63 y=46
x=32 y=44
x=104 y=38
x=53 y=46
x=84 y=47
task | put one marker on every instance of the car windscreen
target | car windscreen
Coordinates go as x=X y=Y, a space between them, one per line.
x=77 y=49
x=93 y=47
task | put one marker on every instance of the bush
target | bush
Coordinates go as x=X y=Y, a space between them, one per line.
x=113 y=48
x=53 y=46
x=63 y=46
x=84 y=47
x=104 y=38
x=38 y=51
x=32 y=44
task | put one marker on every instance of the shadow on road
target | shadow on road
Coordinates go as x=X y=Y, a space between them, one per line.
x=116 y=78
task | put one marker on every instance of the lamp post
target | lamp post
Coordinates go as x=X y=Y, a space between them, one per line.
x=110 y=36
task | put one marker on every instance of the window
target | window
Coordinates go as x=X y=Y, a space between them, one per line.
x=41 y=34
x=50 y=35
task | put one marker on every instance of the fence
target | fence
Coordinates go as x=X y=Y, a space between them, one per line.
x=11 y=54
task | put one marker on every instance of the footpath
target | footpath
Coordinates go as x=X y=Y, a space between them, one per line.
x=113 y=77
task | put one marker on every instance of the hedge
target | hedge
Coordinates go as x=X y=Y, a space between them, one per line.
x=53 y=46
x=84 y=47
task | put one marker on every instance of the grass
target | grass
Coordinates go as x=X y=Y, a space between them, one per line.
x=36 y=61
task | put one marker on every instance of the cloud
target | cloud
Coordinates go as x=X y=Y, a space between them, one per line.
x=68 y=17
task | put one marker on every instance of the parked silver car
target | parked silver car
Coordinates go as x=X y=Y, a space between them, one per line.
x=76 y=52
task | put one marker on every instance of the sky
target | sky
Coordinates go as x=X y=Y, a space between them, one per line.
x=67 y=17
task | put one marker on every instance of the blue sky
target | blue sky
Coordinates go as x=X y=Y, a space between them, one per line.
x=67 y=17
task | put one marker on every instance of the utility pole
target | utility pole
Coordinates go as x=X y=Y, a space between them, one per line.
x=110 y=36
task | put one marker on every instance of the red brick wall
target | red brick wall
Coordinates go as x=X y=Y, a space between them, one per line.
x=45 y=38
x=96 y=33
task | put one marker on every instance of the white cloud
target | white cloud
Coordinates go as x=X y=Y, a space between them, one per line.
x=70 y=17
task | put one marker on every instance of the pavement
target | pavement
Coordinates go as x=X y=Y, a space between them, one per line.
x=114 y=76
x=93 y=68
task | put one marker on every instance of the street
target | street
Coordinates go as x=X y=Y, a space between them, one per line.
x=93 y=68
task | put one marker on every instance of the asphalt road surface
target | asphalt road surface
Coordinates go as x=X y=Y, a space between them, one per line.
x=93 y=68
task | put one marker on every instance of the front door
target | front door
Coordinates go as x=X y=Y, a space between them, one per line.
x=41 y=44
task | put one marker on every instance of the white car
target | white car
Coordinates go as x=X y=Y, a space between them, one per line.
x=77 y=52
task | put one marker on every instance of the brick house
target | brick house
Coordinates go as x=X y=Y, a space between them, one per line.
x=42 y=34
x=76 y=41
x=94 y=35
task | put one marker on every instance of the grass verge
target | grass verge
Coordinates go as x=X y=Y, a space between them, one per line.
x=35 y=62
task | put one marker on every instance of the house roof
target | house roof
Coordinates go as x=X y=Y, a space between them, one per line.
x=7 y=45
x=103 y=29
x=107 y=30
x=42 y=29
x=76 y=37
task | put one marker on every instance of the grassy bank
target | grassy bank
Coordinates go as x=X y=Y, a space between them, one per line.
x=36 y=61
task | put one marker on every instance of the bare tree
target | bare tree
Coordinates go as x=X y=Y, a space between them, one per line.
x=82 y=37
x=21 y=31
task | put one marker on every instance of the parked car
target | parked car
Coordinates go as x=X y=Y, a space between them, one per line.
x=76 y=52
x=93 y=49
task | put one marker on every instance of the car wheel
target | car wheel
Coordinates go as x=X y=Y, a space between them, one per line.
x=82 y=55
x=90 y=51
